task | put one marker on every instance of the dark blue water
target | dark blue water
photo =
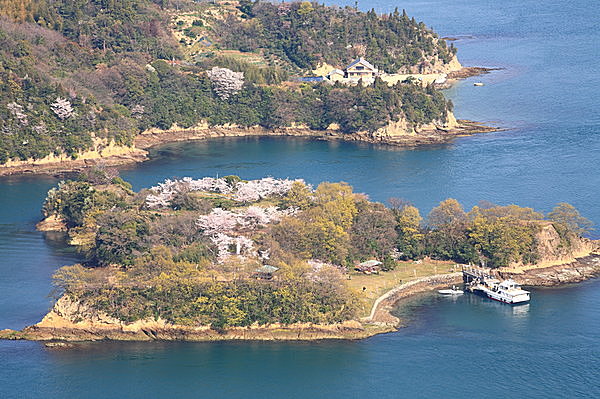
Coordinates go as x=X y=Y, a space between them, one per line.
x=546 y=96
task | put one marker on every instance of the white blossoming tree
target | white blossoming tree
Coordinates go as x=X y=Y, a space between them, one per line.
x=17 y=111
x=218 y=221
x=246 y=192
x=254 y=190
x=225 y=82
x=62 y=108
x=138 y=111
x=226 y=229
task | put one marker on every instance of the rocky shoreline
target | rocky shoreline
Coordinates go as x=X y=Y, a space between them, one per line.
x=395 y=134
x=61 y=324
x=160 y=332
x=467 y=72
x=64 y=323
x=581 y=269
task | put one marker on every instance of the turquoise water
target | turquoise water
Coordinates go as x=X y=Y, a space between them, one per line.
x=546 y=96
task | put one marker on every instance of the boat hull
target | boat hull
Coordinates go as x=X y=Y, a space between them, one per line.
x=522 y=298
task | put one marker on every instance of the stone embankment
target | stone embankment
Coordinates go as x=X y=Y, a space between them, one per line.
x=380 y=312
x=543 y=275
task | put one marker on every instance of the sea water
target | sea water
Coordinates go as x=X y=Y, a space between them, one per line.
x=545 y=96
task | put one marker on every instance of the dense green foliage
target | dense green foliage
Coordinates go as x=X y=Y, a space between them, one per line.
x=148 y=262
x=38 y=66
x=115 y=25
x=105 y=61
x=225 y=304
x=306 y=34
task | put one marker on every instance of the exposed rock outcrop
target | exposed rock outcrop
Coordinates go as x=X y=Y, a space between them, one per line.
x=560 y=261
x=397 y=133
x=433 y=65
x=103 y=152
x=576 y=271
x=52 y=223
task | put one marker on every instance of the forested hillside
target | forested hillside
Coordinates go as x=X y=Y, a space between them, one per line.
x=75 y=71
x=115 y=25
x=306 y=34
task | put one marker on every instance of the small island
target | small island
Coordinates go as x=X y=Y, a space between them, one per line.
x=134 y=74
x=277 y=259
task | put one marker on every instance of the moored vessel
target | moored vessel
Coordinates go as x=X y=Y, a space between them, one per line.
x=453 y=291
x=507 y=291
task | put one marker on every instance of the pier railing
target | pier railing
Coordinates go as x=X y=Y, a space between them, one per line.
x=473 y=273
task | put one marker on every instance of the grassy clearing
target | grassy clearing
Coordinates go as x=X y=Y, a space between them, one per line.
x=377 y=285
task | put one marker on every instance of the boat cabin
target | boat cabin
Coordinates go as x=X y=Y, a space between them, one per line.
x=508 y=285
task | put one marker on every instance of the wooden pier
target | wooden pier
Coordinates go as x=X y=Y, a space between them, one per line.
x=474 y=276
x=472 y=273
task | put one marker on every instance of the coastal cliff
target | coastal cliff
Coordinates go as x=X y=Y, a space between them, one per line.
x=103 y=152
x=580 y=269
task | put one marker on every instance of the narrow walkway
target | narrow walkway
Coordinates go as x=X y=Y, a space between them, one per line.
x=432 y=280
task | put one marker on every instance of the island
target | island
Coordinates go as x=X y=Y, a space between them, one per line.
x=222 y=258
x=90 y=82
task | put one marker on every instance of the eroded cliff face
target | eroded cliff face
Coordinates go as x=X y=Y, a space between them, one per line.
x=434 y=65
x=103 y=151
x=399 y=133
x=52 y=223
x=559 y=262
x=553 y=250
x=402 y=128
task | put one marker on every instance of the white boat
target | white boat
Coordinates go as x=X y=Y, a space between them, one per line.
x=506 y=291
x=453 y=291
x=478 y=84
